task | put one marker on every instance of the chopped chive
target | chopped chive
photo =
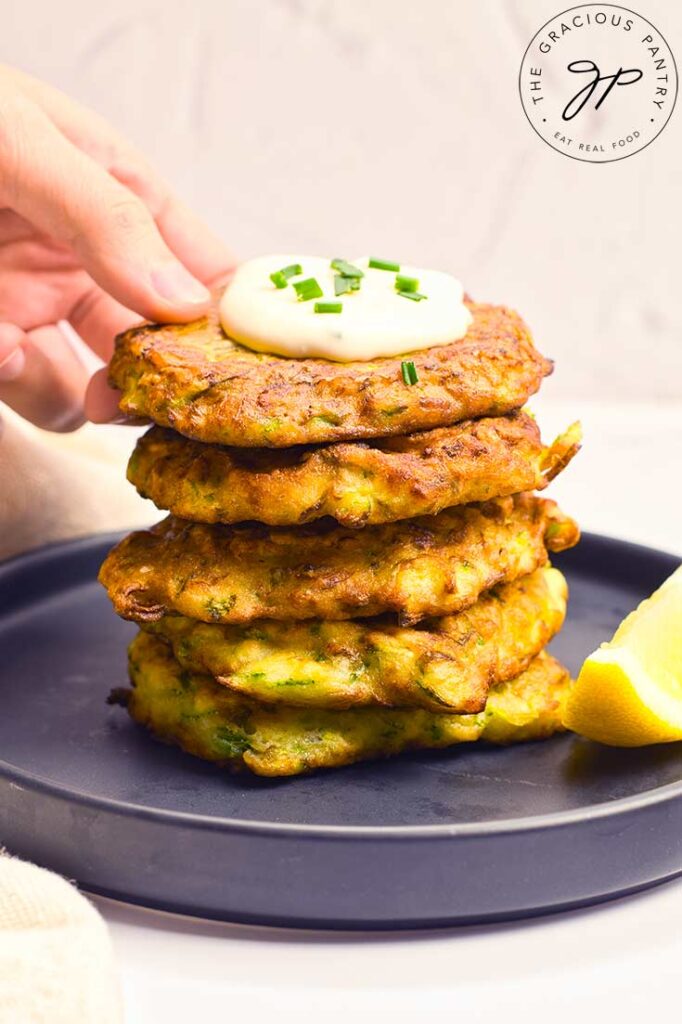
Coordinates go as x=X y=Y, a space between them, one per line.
x=406 y=284
x=280 y=278
x=346 y=268
x=328 y=307
x=409 y=372
x=415 y=296
x=308 y=289
x=342 y=284
x=378 y=264
x=293 y=270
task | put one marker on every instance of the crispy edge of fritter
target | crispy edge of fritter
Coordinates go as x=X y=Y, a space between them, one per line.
x=447 y=665
x=194 y=379
x=417 y=568
x=216 y=724
x=356 y=483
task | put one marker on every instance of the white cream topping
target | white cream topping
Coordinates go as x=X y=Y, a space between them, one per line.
x=375 y=321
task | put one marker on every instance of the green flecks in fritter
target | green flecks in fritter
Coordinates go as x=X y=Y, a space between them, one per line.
x=278 y=574
x=292 y=682
x=217 y=609
x=253 y=633
x=391 y=731
x=271 y=424
x=435 y=732
x=231 y=742
x=195 y=716
x=328 y=418
x=185 y=680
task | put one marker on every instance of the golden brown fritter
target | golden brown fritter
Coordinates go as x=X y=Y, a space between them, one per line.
x=191 y=377
x=217 y=724
x=356 y=483
x=433 y=565
x=448 y=664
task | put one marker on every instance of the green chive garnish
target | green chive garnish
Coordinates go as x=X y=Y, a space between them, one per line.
x=409 y=372
x=346 y=268
x=378 y=264
x=328 y=307
x=292 y=270
x=415 y=296
x=280 y=278
x=406 y=284
x=308 y=289
x=343 y=284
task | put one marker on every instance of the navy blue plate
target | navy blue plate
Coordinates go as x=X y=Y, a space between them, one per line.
x=472 y=834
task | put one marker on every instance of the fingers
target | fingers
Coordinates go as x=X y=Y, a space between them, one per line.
x=64 y=170
x=101 y=401
x=186 y=234
x=62 y=191
x=195 y=244
x=86 y=129
x=98 y=318
x=11 y=353
x=42 y=379
x=49 y=383
x=191 y=240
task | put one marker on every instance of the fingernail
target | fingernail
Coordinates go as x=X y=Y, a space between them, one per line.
x=176 y=285
x=129 y=421
x=12 y=366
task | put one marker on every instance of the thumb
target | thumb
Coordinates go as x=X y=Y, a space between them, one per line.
x=62 y=191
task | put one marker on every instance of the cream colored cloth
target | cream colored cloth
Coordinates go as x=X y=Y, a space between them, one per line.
x=56 y=962
x=56 y=486
x=55 y=955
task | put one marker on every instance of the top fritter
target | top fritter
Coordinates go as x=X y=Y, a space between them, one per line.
x=198 y=381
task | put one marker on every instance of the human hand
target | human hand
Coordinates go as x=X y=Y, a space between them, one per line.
x=91 y=235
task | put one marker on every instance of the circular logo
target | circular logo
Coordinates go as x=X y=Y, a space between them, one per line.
x=598 y=82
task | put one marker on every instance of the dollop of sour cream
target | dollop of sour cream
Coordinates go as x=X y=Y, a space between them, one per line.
x=375 y=321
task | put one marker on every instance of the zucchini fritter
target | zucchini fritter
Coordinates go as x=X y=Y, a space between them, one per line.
x=191 y=377
x=217 y=724
x=356 y=483
x=447 y=664
x=433 y=565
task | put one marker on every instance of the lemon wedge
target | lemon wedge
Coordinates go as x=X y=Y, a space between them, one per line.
x=629 y=692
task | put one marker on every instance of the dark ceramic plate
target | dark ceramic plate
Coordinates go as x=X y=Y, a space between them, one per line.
x=473 y=834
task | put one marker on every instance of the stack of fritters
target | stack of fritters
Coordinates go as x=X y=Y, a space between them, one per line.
x=353 y=566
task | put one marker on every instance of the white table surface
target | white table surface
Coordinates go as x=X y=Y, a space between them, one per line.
x=621 y=961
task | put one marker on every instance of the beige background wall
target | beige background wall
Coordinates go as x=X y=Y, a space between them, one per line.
x=393 y=126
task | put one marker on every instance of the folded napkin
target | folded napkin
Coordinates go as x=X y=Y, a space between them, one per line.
x=56 y=486
x=56 y=962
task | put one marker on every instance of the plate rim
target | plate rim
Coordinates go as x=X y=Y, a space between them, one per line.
x=554 y=819
x=530 y=823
